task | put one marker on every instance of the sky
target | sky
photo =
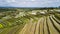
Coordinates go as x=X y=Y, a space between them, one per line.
x=29 y=3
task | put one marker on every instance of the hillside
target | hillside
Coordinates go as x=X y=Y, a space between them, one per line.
x=29 y=21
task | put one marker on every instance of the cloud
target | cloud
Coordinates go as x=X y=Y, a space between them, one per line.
x=29 y=3
x=9 y=1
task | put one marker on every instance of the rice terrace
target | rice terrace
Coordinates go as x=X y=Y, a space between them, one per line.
x=29 y=20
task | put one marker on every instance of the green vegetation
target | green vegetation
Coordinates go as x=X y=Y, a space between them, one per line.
x=13 y=20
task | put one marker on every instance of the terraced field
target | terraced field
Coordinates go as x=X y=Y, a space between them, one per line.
x=45 y=25
x=30 y=24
